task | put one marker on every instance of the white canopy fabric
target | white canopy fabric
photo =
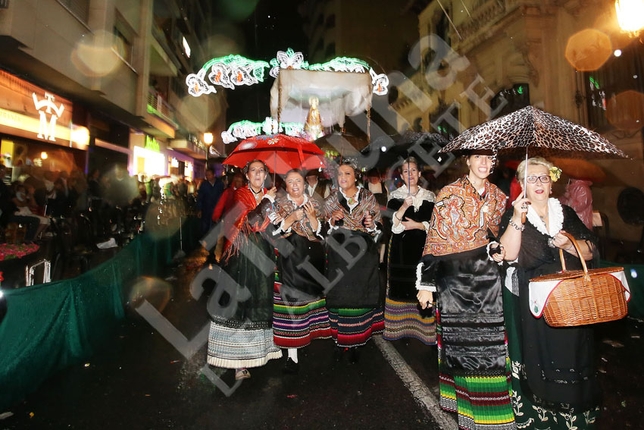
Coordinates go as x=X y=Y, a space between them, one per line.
x=339 y=94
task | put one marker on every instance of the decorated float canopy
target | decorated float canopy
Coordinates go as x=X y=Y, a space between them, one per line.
x=338 y=94
x=333 y=90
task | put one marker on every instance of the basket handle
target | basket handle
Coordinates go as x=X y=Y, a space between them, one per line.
x=576 y=245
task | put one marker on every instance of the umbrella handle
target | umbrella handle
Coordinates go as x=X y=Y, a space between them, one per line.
x=524 y=217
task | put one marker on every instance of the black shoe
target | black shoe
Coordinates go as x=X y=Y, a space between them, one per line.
x=291 y=367
x=354 y=355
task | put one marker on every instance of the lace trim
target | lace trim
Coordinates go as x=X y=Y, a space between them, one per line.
x=421 y=196
x=555 y=213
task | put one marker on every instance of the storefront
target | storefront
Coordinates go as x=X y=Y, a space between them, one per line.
x=36 y=129
x=147 y=156
x=180 y=165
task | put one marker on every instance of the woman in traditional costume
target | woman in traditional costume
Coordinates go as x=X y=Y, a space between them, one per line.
x=412 y=209
x=354 y=298
x=299 y=311
x=461 y=264
x=241 y=334
x=553 y=369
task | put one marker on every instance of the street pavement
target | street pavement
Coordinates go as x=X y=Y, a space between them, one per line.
x=141 y=380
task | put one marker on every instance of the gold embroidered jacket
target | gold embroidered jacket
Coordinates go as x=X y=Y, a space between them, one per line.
x=462 y=217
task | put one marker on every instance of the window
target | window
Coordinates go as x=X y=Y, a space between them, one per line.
x=617 y=75
x=445 y=120
x=442 y=27
x=510 y=100
x=78 y=8
x=123 y=36
x=122 y=46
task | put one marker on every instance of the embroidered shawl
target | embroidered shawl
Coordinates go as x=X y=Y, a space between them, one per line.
x=249 y=218
x=462 y=217
x=285 y=206
x=353 y=217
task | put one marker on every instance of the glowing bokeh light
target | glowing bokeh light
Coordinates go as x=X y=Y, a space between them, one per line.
x=625 y=111
x=588 y=50
x=630 y=15
x=96 y=55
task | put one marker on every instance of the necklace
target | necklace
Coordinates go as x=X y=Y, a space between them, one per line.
x=351 y=200
x=544 y=217
x=255 y=192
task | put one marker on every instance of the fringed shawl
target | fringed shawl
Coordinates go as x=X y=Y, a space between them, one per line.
x=249 y=218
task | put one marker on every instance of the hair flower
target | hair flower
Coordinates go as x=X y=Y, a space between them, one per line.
x=555 y=173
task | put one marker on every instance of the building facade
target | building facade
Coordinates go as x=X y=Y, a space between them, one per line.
x=118 y=67
x=478 y=59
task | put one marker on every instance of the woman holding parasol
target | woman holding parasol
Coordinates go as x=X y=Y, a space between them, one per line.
x=461 y=264
x=412 y=210
x=241 y=334
x=553 y=369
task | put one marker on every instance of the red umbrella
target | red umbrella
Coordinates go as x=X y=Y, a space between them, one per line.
x=279 y=152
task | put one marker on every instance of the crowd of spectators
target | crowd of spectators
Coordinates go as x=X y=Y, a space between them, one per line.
x=112 y=202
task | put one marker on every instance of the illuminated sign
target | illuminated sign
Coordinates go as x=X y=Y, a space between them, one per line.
x=151 y=144
x=30 y=111
x=47 y=109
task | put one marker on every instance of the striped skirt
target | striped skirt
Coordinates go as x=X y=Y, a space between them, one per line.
x=354 y=327
x=235 y=348
x=295 y=325
x=406 y=320
x=480 y=398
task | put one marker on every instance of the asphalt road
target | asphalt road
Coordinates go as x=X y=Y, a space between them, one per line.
x=140 y=380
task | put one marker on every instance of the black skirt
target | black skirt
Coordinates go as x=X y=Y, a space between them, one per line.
x=352 y=270
x=470 y=310
x=301 y=269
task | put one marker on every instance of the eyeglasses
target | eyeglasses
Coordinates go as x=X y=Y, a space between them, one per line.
x=544 y=179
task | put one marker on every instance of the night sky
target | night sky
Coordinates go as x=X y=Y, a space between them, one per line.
x=262 y=28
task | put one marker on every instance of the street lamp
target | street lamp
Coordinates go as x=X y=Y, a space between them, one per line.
x=630 y=15
x=207 y=139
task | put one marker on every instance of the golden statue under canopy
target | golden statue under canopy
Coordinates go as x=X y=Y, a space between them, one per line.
x=313 y=124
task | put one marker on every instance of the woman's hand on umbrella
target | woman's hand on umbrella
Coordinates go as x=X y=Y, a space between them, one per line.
x=520 y=206
x=409 y=201
x=425 y=298
x=272 y=192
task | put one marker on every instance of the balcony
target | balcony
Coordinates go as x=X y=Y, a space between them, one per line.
x=189 y=147
x=162 y=58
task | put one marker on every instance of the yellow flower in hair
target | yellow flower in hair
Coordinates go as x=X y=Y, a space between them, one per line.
x=555 y=173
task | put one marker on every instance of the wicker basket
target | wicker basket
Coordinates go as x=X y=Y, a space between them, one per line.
x=583 y=296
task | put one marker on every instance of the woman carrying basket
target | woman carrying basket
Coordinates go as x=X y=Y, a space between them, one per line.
x=553 y=369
